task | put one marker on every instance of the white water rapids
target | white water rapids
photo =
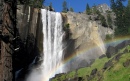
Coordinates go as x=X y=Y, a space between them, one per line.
x=52 y=47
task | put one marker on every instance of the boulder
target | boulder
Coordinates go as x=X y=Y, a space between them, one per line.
x=108 y=64
x=122 y=45
x=110 y=51
x=117 y=57
x=126 y=63
x=94 y=71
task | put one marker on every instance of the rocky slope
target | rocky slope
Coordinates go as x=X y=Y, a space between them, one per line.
x=115 y=68
x=85 y=40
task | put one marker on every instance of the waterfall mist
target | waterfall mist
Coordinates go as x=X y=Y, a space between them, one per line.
x=52 y=47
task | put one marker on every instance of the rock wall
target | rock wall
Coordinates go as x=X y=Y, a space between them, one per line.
x=85 y=42
x=84 y=34
x=29 y=22
x=6 y=52
x=30 y=29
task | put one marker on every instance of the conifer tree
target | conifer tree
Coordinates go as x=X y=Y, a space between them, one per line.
x=88 y=10
x=113 y=5
x=71 y=9
x=127 y=13
x=64 y=5
x=109 y=21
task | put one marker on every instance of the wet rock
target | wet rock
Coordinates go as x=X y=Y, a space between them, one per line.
x=126 y=63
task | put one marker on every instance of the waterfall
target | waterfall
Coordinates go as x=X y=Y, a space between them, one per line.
x=53 y=34
x=52 y=47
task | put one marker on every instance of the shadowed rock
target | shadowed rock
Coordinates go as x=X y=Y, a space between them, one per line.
x=102 y=56
x=108 y=64
x=110 y=51
x=117 y=57
x=94 y=71
x=126 y=63
x=122 y=45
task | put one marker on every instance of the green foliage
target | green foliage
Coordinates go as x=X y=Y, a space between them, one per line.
x=88 y=10
x=37 y=3
x=66 y=27
x=113 y=5
x=94 y=10
x=34 y=3
x=65 y=8
x=108 y=36
x=122 y=17
x=103 y=20
x=115 y=72
x=71 y=9
x=109 y=21
x=50 y=5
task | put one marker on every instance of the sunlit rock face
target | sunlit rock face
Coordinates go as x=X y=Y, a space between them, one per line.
x=86 y=40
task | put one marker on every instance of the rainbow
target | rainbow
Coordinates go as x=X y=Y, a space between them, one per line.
x=72 y=56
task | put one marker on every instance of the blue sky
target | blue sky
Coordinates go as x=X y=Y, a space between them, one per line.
x=77 y=5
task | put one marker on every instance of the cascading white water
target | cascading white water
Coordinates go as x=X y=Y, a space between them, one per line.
x=52 y=47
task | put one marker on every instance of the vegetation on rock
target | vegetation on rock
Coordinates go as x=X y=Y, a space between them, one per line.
x=109 y=21
x=115 y=68
x=34 y=3
x=65 y=8
x=88 y=10
x=71 y=9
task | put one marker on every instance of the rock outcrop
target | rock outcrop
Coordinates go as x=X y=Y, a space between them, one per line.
x=86 y=39
x=6 y=70
x=111 y=50
x=30 y=30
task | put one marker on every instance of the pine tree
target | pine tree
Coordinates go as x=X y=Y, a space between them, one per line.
x=103 y=21
x=127 y=13
x=64 y=5
x=71 y=9
x=50 y=6
x=88 y=10
x=109 y=21
x=121 y=17
x=113 y=5
x=94 y=10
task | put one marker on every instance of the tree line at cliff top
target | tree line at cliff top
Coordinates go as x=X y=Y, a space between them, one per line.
x=122 y=13
x=122 y=17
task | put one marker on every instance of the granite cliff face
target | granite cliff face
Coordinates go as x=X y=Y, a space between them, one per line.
x=86 y=38
x=6 y=24
x=83 y=34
